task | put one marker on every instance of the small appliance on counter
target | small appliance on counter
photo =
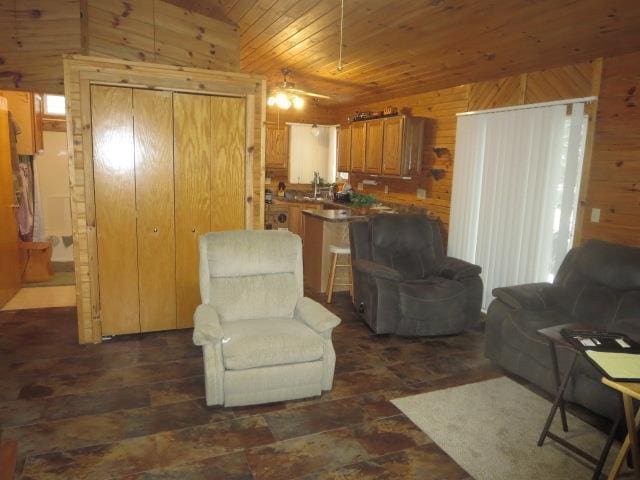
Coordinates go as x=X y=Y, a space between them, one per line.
x=281 y=189
x=268 y=196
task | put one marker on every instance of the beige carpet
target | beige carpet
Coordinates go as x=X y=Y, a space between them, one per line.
x=491 y=428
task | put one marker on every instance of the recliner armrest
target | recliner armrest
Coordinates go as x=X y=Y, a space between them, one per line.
x=530 y=296
x=315 y=315
x=207 y=327
x=377 y=270
x=456 y=269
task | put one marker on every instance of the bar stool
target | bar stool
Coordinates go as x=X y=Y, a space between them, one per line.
x=335 y=251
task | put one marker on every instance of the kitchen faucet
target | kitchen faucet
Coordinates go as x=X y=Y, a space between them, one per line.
x=316 y=184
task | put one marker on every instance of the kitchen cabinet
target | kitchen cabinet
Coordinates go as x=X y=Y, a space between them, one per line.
x=391 y=146
x=277 y=146
x=358 y=146
x=344 y=149
x=177 y=173
x=26 y=111
x=374 y=146
x=295 y=216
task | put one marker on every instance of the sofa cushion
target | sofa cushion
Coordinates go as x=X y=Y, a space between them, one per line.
x=520 y=331
x=616 y=266
x=434 y=297
x=266 y=342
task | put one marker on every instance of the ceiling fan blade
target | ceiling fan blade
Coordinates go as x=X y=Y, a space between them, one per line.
x=308 y=94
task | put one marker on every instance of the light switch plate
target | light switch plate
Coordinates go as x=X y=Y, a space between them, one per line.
x=595 y=215
x=421 y=193
x=267 y=180
x=386 y=189
x=361 y=187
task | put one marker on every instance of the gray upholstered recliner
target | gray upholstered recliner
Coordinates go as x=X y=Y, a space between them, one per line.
x=404 y=283
x=262 y=340
x=597 y=283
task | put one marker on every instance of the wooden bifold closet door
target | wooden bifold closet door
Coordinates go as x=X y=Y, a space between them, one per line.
x=168 y=167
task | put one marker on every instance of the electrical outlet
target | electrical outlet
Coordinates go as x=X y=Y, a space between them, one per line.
x=267 y=180
x=595 y=215
x=361 y=187
x=421 y=193
x=386 y=189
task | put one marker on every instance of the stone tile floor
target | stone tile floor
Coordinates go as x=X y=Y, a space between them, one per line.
x=133 y=407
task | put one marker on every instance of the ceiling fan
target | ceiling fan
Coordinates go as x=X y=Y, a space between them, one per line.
x=287 y=95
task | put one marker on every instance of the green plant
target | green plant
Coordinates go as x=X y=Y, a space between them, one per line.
x=362 y=200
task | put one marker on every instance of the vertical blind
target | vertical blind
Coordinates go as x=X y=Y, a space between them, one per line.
x=515 y=191
x=310 y=153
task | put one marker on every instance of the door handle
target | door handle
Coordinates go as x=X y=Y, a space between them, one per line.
x=155 y=229
x=193 y=230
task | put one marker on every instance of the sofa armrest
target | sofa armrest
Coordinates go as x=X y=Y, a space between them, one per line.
x=315 y=315
x=207 y=327
x=377 y=270
x=531 y=296
x=456 y=269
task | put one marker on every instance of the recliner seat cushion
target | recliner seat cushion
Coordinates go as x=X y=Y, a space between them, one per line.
x=267 y=342
x=432 y=298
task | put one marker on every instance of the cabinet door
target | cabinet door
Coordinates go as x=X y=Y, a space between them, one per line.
x=294 y=219
x=344 y=149
x=358 y=146
x=115 y=203
x=153 y=137
x=277 y=146
x=228 y=184
x=23 y=110
x=373 y=162
x=10 y=272
x=392 y=146
x=192 y=164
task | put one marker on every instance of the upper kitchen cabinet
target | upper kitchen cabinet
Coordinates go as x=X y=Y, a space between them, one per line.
x=391 y=146
x=26 y=111
x=277 y=146
x=358 y=146
x=373 y=161
x=344 y=149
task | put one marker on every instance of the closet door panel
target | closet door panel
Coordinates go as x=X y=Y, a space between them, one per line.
x=153 y=137
x=192 y=173
x=228 y=195
x=115 y=201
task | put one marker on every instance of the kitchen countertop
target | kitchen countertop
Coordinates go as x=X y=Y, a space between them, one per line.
x=332 y=215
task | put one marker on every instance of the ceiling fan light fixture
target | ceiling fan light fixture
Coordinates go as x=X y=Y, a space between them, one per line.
x=283 y=102
x=298 y=102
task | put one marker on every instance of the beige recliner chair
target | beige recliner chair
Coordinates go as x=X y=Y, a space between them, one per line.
x=262 y=340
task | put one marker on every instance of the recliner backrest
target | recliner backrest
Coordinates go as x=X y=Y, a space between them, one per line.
x=599 y=282
x=251 y=274
x=410 y=244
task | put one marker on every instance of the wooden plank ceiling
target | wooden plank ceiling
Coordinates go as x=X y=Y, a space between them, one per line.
x=400 y=47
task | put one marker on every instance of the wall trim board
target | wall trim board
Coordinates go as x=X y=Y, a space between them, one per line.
x=80 y=72
x=592 y=111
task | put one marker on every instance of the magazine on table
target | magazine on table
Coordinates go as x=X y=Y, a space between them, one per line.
x=615 y=355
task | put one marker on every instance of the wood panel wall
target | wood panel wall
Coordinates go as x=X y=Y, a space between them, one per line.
x=34 y=34
x=613 y=183
x=80 y=73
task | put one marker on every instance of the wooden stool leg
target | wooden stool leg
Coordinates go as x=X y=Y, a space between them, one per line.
x=332 y=275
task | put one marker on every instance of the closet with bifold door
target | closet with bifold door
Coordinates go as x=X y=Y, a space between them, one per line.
x=167 y=167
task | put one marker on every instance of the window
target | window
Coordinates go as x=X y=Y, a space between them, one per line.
x=515 y=191
x=309 y=152
x=54 y=105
